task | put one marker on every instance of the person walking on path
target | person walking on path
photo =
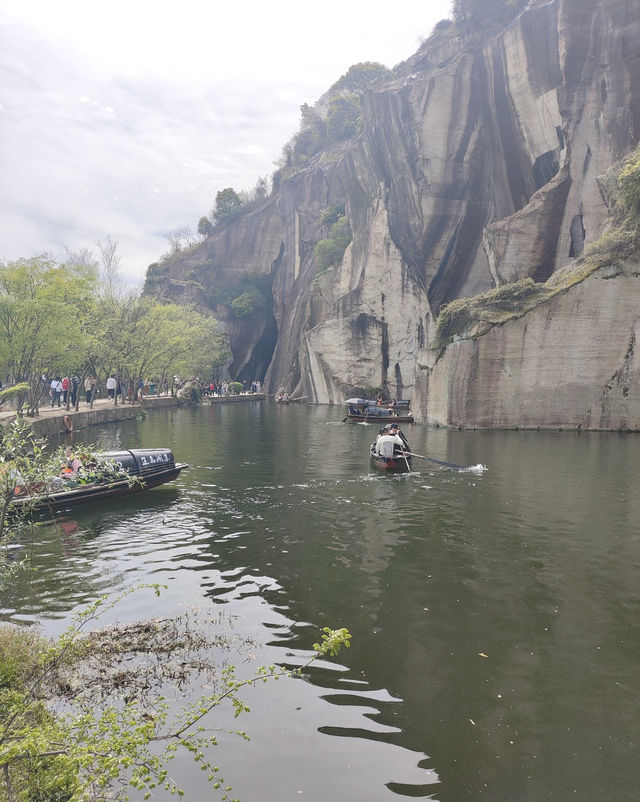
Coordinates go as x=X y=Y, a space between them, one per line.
x=88 y=388
x=56 y=390
x=111 y=386
x=75 y=383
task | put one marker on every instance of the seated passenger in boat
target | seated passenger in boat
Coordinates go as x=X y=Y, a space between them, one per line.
x=72 y=465
x=389 y=441
x=394 y=429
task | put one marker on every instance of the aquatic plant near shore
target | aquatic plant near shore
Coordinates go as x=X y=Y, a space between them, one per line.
x=85 y=716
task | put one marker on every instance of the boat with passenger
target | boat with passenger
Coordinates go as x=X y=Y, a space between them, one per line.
x=107 y=475
x=366 y=410
x=390 y=451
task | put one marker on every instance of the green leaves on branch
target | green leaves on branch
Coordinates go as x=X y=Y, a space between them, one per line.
x=336 y=116
x=7 y=393
x=243 y=305
x=359 y=78
x=63 y=319
x=331 y=215
x=43 y=306
x=228 y=204
x=486 y=13
x=117 y=728
x=332 y=641
x=620 y=187
x=628 y=186
x=329 y=251
x=205 y=227
x=26 y=462
x=158 y=339
x=241 y=295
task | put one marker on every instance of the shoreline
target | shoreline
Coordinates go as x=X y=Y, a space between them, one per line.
x=50 y=420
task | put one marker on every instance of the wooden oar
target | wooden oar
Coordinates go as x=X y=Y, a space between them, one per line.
x=438 y=461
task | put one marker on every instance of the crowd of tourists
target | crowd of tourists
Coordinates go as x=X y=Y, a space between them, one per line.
x=70 y=389
x=63 y=389
x=229 y=388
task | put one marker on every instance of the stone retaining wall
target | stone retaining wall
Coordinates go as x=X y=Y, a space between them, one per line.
x=227 y=399
x=50 y=422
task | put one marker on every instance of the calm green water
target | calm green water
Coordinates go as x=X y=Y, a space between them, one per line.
x=495 y=614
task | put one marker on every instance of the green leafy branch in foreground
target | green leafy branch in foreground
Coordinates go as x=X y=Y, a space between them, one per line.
x=107 y=724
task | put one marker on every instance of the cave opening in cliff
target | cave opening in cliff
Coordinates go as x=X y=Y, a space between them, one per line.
x=260 y=356
x=399 y=385
x=577 y=236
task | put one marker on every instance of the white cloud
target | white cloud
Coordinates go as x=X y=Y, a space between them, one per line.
x=125 y=118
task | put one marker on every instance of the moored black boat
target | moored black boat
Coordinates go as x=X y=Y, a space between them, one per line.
x=363 y=410
x=131 y=471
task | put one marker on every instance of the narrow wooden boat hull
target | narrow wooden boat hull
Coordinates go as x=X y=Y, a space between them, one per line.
x=379 y=418
x=395 y=464
x=147 y=468
x=359 y=410
x=92 y=493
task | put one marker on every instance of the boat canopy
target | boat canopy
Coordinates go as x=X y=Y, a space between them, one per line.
x=376 y=412
x=369 y=402
x=360 y=402
x=141 y=461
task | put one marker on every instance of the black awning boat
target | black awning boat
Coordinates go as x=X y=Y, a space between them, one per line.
x=374 y=413
x=131 y=471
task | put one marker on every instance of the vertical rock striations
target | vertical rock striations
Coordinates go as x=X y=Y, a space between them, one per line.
x=571 y=363
x=476 y=166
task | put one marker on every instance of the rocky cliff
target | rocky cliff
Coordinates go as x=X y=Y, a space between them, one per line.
x=475 y=166
x=570 y=363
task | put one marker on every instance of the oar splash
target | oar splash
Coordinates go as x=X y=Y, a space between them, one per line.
x=452 y=465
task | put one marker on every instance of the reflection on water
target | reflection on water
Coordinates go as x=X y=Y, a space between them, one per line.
x=494 y=614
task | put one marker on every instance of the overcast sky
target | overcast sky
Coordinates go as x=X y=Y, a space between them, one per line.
x=124 y=119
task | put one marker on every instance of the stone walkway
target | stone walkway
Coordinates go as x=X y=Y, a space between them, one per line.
x=47 y=411
x=50 y=420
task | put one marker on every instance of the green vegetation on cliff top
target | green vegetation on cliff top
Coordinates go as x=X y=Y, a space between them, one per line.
x=486 y=13
x=329 y=251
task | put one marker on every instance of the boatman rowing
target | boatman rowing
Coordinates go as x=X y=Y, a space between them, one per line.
x=389 y=439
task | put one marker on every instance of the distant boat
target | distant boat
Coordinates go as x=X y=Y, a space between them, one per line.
x=136 y=470
x=364 y=410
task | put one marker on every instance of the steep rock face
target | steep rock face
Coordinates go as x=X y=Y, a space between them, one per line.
x=253 y=246
x=372 y=315
x=477 y=165
x=574 y=362
x=585 y=84
x=358 y=324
